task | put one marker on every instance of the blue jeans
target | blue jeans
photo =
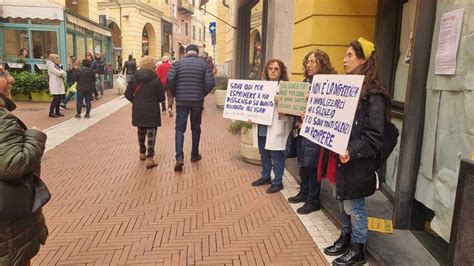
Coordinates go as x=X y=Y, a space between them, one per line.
x=100 y=84
x=182 y=112
x=310 y=186
x=278 y=162
x=68 y=97
x=354 y=220
x=80 y=97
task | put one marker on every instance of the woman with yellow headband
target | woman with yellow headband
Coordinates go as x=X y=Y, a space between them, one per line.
x=355 y=175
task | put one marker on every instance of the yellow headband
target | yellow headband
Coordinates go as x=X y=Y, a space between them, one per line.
x=367 y=47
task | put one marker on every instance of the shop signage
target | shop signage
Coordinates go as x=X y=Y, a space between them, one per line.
x=251 y=100
x=330 y=111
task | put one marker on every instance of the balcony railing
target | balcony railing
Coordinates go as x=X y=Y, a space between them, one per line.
x=185 y=7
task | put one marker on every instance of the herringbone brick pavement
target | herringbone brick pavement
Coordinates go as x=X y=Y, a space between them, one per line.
x=107 y=209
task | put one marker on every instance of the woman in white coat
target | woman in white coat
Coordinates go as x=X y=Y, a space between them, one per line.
x=272 y=139
x=56 y=84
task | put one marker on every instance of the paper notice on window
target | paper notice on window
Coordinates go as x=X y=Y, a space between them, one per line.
x=448 y=42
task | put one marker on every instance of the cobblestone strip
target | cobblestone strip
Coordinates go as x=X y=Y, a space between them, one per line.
x=320 y=227
x=59 y=133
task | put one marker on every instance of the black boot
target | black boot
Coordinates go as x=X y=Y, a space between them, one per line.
x=340 y=246
x=355 y=255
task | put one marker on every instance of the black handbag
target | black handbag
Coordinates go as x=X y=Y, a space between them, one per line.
x=22 y=197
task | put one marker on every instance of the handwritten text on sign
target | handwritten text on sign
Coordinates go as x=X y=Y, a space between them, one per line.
x=292 y=97
x=330 y=111
x=251 y=100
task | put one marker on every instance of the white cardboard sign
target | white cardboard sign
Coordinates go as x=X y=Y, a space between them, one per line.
x=251 y=100
x=331 y=108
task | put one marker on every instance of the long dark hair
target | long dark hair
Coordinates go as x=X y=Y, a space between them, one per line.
x=372 y=83
x=283 y=71
x=323 y=61
x=20 y=53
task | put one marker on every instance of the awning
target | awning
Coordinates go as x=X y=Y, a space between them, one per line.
x=40 y=9
x=89 y=25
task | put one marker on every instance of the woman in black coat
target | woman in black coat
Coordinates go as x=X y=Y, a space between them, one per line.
x=355 y=175
x=146 y=92
x=315 y=62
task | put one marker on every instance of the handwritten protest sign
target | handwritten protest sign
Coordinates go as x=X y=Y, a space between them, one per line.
x=292 y=97
x=251 y=99
x=331 y=108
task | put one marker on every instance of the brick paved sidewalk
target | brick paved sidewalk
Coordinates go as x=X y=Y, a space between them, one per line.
x=107 y=209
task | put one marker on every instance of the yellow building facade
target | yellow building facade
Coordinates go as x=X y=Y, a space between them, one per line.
x=329 y=25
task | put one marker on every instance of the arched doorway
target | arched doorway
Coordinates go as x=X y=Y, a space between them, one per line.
x=148 y=40
x=117 y=56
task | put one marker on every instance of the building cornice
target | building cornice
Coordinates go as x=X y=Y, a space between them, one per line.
x=133 y=3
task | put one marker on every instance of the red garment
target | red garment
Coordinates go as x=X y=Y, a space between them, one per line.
x=327 y=165
x=162 y=71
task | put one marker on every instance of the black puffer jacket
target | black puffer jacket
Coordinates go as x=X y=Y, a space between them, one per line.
x=145 y=92
x=20 y=153
x=356 y=179
x=130 y=66
x=190 y=79
x=85 y=80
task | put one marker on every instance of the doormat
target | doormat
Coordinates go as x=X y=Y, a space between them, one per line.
x=380 y=225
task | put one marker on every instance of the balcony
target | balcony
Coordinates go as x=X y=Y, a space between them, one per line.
x=185 y=7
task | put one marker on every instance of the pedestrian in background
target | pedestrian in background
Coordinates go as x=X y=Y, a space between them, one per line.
x=85 y=87
x=56 y=84
x=162 y=72
x=100 y=67
x=271 y=140
x=21 y=150
x=145 y=92
x=190 y=80
x=315 y=62
x=72 y=73
x=355 y=175
x=130 y=67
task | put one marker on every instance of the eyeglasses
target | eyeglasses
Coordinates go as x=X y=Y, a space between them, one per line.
x=312 y=62
x=274 y=68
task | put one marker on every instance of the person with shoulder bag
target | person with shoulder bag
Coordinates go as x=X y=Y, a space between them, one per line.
x=355 y=169
x=315 y=62
x=146 y=92
x=22 y=193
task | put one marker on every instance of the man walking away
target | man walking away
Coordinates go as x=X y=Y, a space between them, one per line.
x=100 y=64
x=190 y=80
x=161 y=72
x=130 y=67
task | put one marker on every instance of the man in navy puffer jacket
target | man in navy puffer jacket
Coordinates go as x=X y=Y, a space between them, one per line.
x=190 y=79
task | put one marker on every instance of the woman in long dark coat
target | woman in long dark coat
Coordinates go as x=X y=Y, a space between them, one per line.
x=146 y=93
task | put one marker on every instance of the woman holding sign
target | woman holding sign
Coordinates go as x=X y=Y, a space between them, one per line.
x=355 y=175
x=315 y=62
x=272 y=139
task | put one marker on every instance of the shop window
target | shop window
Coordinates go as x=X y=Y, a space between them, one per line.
x=44 y=43
x=14 y=40
x=90 y=46
x=255 y=44
x=194 y=32
x=80 y=48
x=16 y=20
x=70 y=44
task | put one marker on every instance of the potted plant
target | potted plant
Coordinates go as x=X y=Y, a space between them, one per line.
x=20 y=89
x=248 y=152
x=39 y=88
x=220 y=90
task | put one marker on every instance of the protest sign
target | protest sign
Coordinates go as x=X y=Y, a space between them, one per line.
x=332 y=104
x=292 y=97
x=251 y=100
